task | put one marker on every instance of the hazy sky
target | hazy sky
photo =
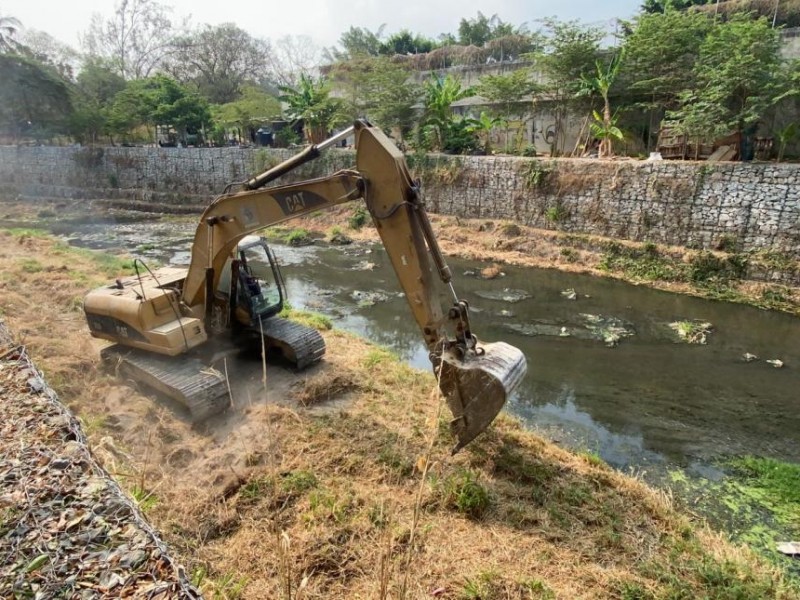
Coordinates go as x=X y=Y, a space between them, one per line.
x=323 y=20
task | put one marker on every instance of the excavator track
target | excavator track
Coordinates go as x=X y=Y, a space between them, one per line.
x=185 y=379
x=301 y=345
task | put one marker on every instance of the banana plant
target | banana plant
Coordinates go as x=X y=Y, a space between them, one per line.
x=482 y=127
x=605 y=130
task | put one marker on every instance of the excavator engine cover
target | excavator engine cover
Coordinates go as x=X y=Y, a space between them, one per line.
x=476 y=387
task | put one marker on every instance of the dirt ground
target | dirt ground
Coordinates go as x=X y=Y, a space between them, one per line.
x=339 y=483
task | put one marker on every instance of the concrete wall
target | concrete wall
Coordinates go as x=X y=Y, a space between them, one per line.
x=681 y=203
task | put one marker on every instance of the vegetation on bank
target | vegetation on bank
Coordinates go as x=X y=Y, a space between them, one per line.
x=140 y=76
x=364 y=501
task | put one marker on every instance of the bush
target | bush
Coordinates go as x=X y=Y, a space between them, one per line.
x=358 y=219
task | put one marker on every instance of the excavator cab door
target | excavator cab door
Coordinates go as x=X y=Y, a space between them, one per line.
x=257 y=290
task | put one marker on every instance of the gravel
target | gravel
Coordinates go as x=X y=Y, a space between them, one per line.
x=67 y=529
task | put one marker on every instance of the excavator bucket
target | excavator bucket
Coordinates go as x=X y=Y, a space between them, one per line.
x=477 y=387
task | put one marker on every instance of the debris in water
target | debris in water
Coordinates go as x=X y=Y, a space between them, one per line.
x=570 y=294
x=364 y=265
x=492 y=272
x=692 y=332
x=775 y=363
x=747 y=357
x=366 y=299
x=610 y=330
x=505 y=295
x=469 y=273
x=507 y=314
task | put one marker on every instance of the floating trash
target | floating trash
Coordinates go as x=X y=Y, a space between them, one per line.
x=569 y=294
x=506 y=314
x=778 y=364
x=364 y=265
x=692 y=332
x=747 y=357
x=505 y=295
x=366 y=299
x=609 y=330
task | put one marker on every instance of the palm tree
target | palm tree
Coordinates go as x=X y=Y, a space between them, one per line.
x=8 y=31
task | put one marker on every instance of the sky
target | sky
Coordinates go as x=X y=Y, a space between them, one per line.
x=322 y=20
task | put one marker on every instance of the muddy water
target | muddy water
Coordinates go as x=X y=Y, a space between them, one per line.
x=648 y=400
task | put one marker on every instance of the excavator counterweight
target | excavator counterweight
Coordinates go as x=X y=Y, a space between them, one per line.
x=233 y=285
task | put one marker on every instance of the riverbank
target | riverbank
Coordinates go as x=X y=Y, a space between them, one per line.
x=328 y=488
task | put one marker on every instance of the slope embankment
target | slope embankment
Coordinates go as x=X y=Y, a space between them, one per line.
x=339 y=483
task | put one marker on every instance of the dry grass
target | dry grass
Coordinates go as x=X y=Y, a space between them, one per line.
x=276 y=501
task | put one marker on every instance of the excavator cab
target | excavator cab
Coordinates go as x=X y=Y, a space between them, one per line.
x=254 y=281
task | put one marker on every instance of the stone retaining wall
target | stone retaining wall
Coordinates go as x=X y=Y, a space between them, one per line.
x=698 y=205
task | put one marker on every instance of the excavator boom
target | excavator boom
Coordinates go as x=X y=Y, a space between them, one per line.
x=475 y=378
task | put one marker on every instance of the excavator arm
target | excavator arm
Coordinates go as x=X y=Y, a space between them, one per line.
x=475 y=378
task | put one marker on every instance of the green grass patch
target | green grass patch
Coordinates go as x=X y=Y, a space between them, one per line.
x=299 y=237
x=463 y=492
x=31 y=265
x=26 y=232
x=299 y=482
x=306 y=317
x=780 y=481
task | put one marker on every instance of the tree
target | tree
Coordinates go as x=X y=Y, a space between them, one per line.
x=393 y=97
x=96 y=87
x=660 y=53
x=311 y=103
x=663 y=6
x=404 y=42
x=9 y=27
x=136 y=39
x=48 y=50
x=158 y=101
x=478 y=31
x=34 y=99
x=571 y=51
x=737 y=78
x=509 y=95
x=219 y=60
x=378 y=88
x=249 y=112
x=604 y=127
x=359 y=41
x=291 y=56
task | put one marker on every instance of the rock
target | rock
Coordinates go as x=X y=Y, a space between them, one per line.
x=340 y=239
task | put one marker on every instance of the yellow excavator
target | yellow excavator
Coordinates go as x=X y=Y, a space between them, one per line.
x=166 y=323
